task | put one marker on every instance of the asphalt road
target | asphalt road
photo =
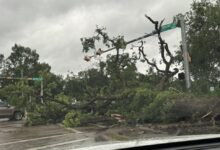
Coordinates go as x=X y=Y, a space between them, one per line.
x=15 y=136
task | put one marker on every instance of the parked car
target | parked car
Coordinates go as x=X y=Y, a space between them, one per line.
x=7 y=111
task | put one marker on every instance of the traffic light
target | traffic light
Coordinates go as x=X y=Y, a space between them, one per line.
x=218 y=49
x=181 y=76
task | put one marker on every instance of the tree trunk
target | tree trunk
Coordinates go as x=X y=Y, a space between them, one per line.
x=163 y=83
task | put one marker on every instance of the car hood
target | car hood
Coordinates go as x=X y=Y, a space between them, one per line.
x=148 y=142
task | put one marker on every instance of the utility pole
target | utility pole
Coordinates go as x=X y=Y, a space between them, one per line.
x=41 y=91
x=185 y=52
x=22 y=76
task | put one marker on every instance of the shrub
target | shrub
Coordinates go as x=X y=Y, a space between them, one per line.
x=174 y=106
x=49 y=112
x=216 y=92
x=132 y=103
x=54 y=112
x=77 y=118
x=35 y=116
x=181 y=110
x=72 y=119
x=141 y=98
x=158 y=110
x=34 y=119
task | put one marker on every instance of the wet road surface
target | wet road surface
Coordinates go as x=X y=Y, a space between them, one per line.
x=15 y=136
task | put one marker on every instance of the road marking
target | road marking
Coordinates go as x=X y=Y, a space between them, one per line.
x=74 y=130
x=58 y=144
x=34 y=139
x=70 y=129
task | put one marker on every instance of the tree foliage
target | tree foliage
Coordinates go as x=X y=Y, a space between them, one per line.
x=114 y=86
x=203 y=34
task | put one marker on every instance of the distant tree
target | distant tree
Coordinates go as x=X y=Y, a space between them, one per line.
x=203 y=35
x=74 y=87
x=22 y=59
x=25 y=60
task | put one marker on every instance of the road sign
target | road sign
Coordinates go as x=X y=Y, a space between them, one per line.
x=15 y=78
x=168 y=27
x=37 y=79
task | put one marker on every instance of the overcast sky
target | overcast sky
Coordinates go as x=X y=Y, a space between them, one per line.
x=54 y=27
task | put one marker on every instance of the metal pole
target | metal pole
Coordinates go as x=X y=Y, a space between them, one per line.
x=131 y=41
x=22 y=82
x=185 y=52
x=42 y=91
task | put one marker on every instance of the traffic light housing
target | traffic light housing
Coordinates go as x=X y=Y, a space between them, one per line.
x=181 y=76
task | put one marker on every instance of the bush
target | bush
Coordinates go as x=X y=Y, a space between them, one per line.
x=132 y=103
x=34 y=119
x=159 y=109
x=72 y=119
x=54 y=112
x=216 y=92
x=141 y=98
x=77 y=118
x=35 y=116
x=49 y=112
x=174 y=106
x=182 y=110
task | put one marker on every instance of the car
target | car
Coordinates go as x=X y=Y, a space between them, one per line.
x=8 y=111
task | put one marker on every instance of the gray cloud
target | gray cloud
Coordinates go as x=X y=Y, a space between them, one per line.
x=54 y=28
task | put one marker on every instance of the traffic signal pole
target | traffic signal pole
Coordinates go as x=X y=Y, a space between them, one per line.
x=30 y=79
x=164 y=28
x=180 y=19
x=41 y=91
x=22 y=75
x=185 y=52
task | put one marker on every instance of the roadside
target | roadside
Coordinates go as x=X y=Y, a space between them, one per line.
x=14 y=135
x=146 y=131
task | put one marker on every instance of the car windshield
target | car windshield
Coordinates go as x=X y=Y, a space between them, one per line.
x=80 y=73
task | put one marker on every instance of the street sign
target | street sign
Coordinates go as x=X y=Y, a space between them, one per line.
x=37 y=79
x=168 y=27
x=15 y=78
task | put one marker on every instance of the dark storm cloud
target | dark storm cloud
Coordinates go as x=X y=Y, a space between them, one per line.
x=54 y=28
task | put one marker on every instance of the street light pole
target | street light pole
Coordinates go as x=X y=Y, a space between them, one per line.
x=185 y=52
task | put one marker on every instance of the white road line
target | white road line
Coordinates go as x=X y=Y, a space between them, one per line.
x=70 y=129
x=34 y=139
x=58 y=144
x=74 y=130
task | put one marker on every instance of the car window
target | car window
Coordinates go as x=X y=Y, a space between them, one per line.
x=3 y=104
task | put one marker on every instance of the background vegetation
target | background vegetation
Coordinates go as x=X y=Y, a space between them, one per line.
x=115 y=86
